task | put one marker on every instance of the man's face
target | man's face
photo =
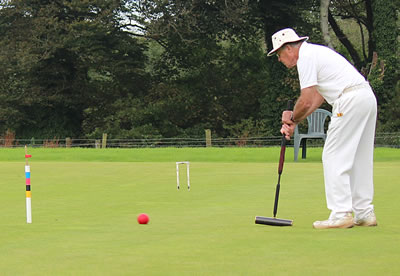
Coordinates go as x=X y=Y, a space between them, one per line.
x=287 y=56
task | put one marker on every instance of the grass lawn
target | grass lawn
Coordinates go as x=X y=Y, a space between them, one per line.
x=85 y=203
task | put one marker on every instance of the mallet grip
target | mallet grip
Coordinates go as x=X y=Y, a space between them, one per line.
x=283 y=143
x=282 y=156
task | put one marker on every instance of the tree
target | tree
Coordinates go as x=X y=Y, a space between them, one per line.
x=378 y=57
x=361 y=12
x=193 y=34
x=385 y=75
x=83 y=67
x=324 y=22
x=61 y=57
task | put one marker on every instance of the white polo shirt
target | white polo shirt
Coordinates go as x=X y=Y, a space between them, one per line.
x=329 y=71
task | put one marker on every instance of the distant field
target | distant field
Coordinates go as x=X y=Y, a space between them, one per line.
x=236 y=154
x=85 y=203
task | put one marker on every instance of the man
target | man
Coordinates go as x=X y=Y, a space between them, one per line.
x=348 y=152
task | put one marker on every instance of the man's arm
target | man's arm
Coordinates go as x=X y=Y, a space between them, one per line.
x=308 y=101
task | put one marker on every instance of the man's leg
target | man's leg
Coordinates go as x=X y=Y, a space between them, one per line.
x=339 y=155
x=361 y=177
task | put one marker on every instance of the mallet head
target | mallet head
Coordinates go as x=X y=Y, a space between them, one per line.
x=273 y=221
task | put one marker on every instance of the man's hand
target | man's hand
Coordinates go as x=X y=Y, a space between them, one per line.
x=287 y=117
x=288 y=126
x=309 y=100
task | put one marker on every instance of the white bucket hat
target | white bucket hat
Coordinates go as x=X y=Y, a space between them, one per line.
x=284 y=36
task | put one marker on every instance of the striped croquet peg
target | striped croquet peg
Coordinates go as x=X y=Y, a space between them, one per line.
x=28 y=187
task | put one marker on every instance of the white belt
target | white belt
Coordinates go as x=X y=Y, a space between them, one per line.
x=355 y=87
x=347 y=90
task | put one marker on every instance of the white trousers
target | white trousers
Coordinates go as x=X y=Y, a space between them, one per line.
x=348 y=154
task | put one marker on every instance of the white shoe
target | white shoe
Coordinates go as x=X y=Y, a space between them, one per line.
x=344 y=222
x=368 y=220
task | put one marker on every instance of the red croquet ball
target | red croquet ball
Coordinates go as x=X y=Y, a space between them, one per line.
x=143 y=219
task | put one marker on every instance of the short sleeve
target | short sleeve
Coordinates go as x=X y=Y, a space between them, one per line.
x=307 y=69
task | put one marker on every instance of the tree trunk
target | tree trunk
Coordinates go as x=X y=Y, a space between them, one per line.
x=324 y=9
x=370 y=28
x=345 y=41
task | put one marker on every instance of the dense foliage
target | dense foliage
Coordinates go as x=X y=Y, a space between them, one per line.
x=385 y=77
x=134 y=69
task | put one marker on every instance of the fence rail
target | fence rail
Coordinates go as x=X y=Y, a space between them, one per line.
x=383 y=139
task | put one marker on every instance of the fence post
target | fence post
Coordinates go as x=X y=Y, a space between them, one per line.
x=104 y=141
x=97 y=143
x=208 y=137
x=68 y=142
